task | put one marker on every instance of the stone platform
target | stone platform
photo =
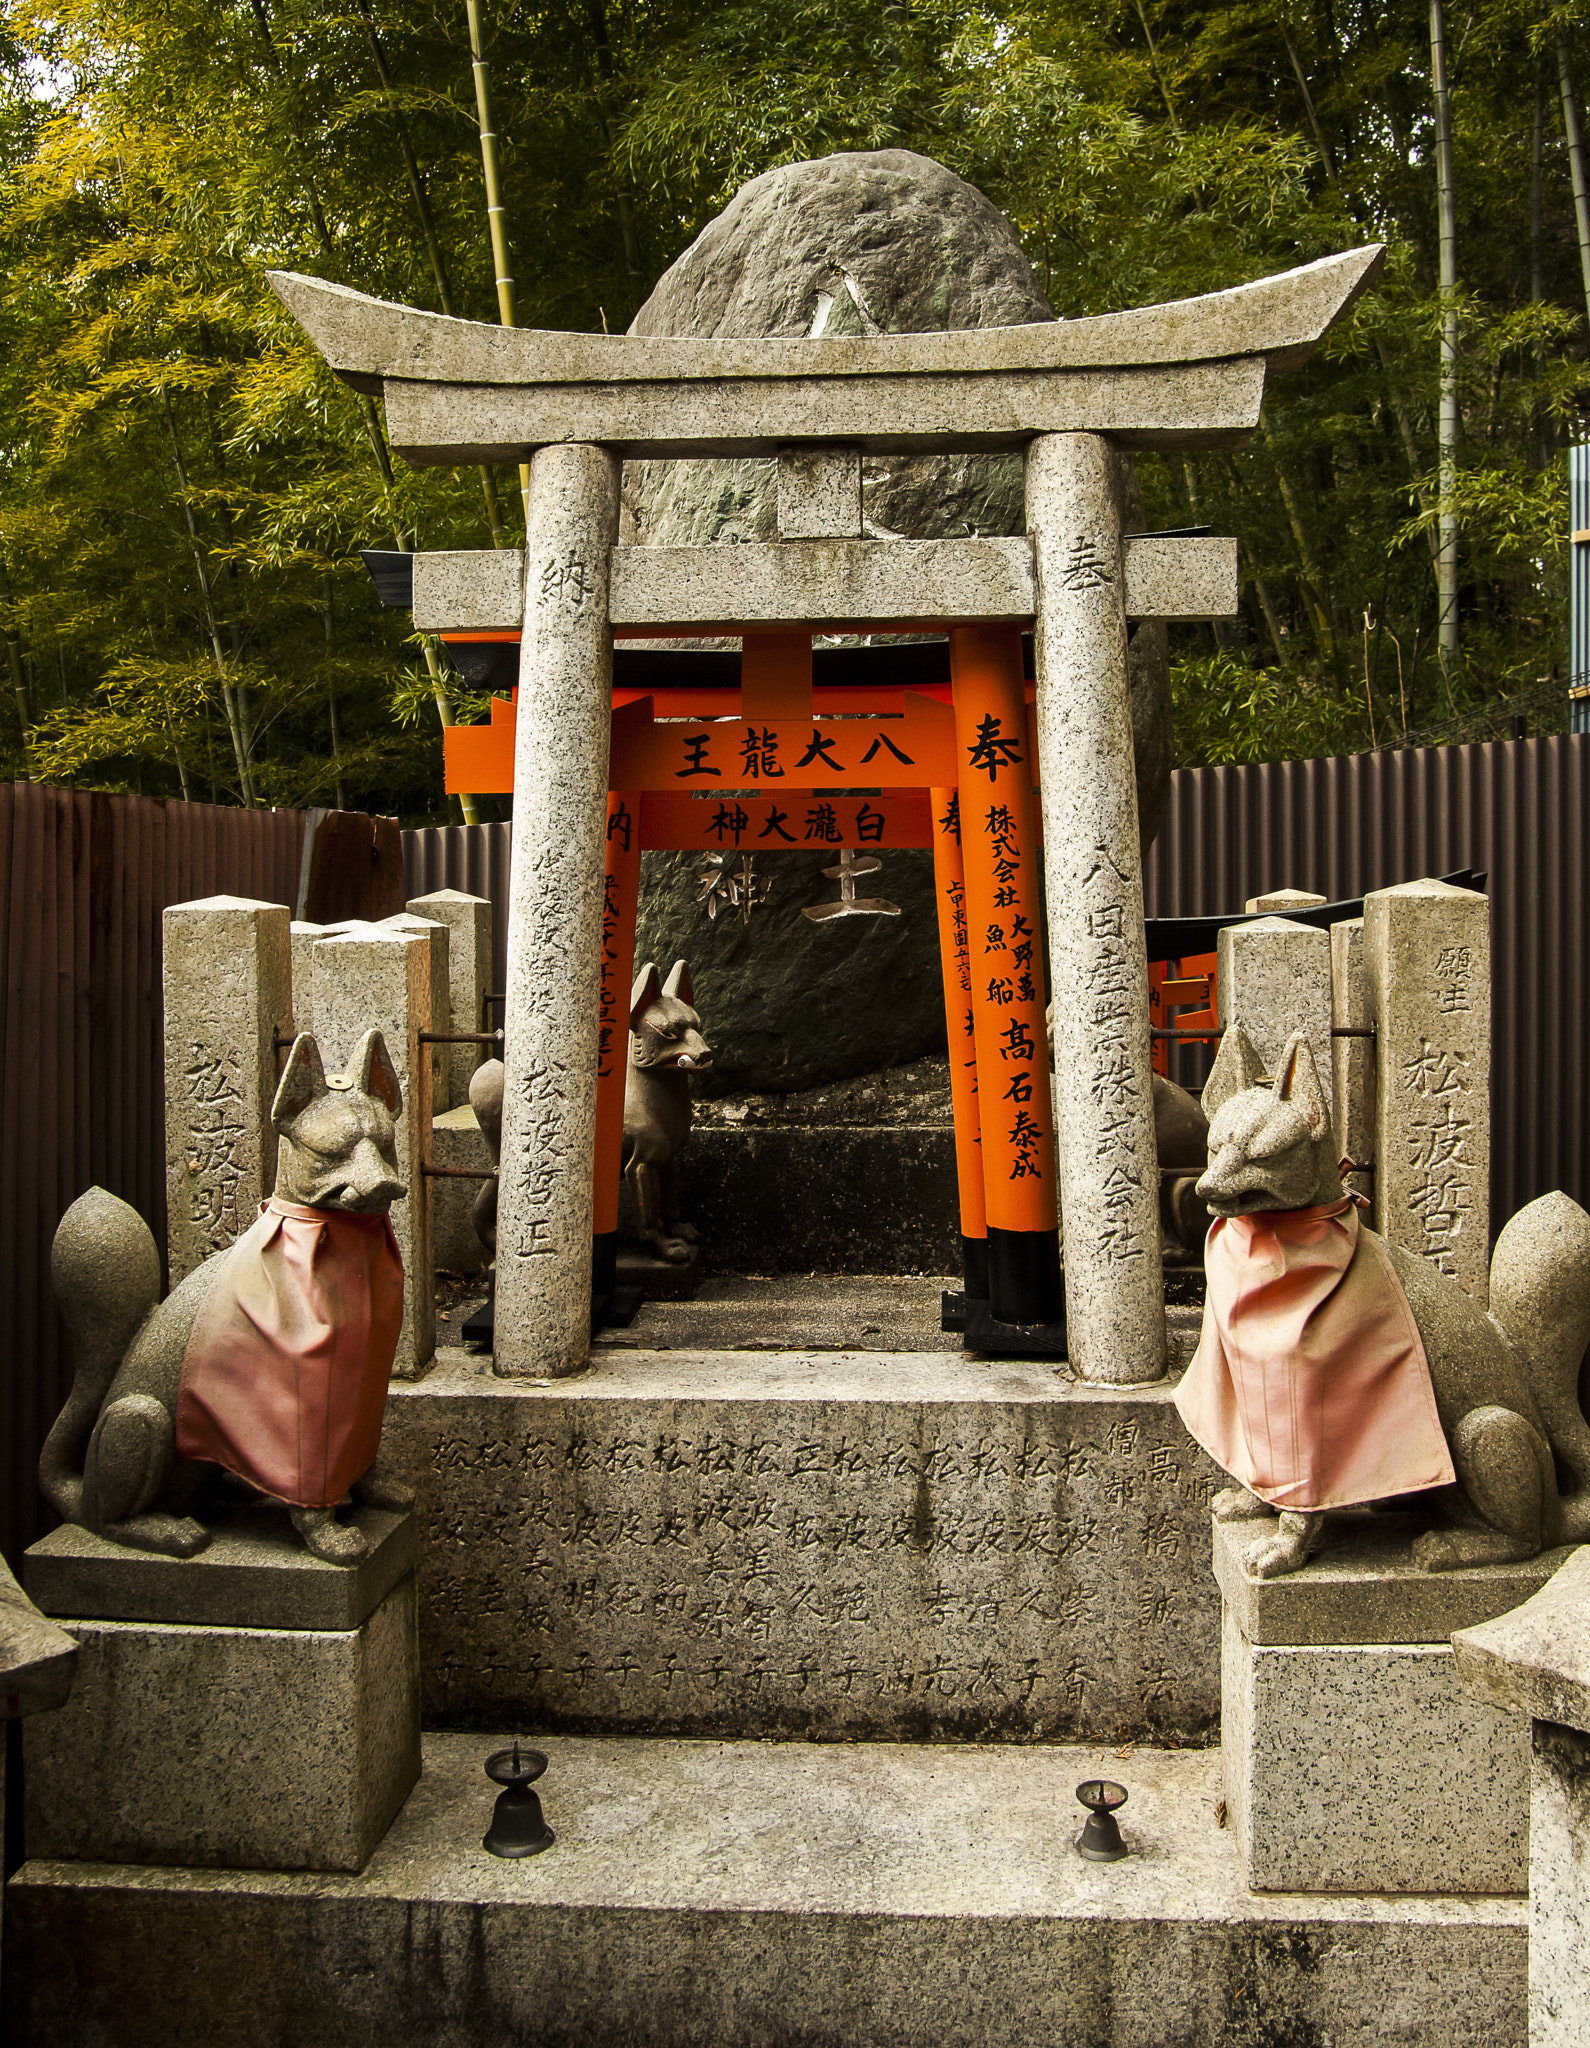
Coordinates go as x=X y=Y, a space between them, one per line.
x=765 y=1896
x=809 y=1544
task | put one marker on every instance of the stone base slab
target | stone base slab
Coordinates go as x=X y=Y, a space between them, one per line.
x=855 y=1544
x=253 y=1573
x=759 y=1896
x=229 y=1748
x=1365 y=1768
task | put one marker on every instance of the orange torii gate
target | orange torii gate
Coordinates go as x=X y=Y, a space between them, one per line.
x=1072 y=396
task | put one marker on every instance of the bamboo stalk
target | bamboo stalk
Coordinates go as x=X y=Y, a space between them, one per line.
x=1446 y=559
x=496 y=211
x=1576 y=162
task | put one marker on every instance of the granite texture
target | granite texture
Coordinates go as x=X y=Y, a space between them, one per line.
x=229 y=1748
x=37 y=1659
x=456 y=1140
x=1559 y=1886
x=302 y=937
x=1366 y=1769
x=1535 y=1659
x=1363 y=1586
x=255 y=1573
x=1427 y=958
x=545 y=1208
x=854 y=1544
x=767 y=1896
x=1352 y=1059
x=372 y=978
x=227 y=981
x=1104 y=1117
x=1280 y=901
x=469 y=972
x=1274 y=978
x=441 y=1008
x=819 y=494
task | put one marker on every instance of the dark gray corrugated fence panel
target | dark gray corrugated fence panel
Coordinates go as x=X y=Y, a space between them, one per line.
x=473 y=858
x=85 y=879
x=1519 y=809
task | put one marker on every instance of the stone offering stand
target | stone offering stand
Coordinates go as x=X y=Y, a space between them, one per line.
x=819 y=1644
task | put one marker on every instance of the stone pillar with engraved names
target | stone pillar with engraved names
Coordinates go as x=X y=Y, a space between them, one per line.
x=378 y=979
x=228 y=991
x=545 y=1206
x=1109 y=1168
x=1427 y=957
x=1274 y=978
x=469 y=968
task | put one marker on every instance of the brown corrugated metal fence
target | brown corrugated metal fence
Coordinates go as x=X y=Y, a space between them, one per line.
x=1519 y=809
x=473 y=858
x=82 y=1100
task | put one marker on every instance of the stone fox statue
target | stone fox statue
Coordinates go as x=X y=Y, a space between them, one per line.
x=270 y=1361
x=665 y=1045
x=1335 y=1368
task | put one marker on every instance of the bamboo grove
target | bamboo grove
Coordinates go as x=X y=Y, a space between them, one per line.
x=184 y=491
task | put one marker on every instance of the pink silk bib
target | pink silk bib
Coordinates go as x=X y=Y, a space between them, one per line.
x=1310 y=1383
x=285 y=1375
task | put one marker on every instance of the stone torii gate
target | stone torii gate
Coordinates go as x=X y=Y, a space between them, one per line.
x=1071 y=393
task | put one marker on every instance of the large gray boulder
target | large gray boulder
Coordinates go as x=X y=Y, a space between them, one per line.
x=875 y=243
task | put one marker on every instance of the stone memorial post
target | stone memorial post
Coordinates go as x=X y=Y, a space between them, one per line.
x=469 y=969
x=544 y=1211
x=1352 y=1059
x=376 y=979
x=1109 y=1168
x=228 y=991
x=439 y=938
x=1274 y=978
x=303 y=939
x=1428 y=966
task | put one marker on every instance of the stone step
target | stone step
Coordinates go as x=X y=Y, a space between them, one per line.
x=762 y=1895
x=804 y=1544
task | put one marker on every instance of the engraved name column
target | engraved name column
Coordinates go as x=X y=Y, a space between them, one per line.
x=555 y=915
x=1427 y=953
x=1109 y=1172
x=228 y=990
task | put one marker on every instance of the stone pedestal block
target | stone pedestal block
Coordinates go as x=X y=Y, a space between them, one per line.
x=1353 y=1760
x=371 y=978
x=229 y=1748
x=469 y=970
x=1427 y=957
x=1275 y=978
x=816 y=1545
x=228 y=991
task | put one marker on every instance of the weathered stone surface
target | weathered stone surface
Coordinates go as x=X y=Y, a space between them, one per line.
x=1359 y=1769
x=227 y=979
x=1280 y=901
x=230 y=1748
x=762 y=1895
x=37 y=1659
x=1275 y=978
x=1104 y=1115
x=819 y=493
x=1535 y=1658
x=469 y=969
x=1352 y=1059
x=864 y=1545
x=437 y=935
x=371 y=978
x=1559 y=1885
x=302 y=937
x=1427 y=957
x=544 y=1214
x=456 y=1140
x=1364 y=1587
x=255 y=1573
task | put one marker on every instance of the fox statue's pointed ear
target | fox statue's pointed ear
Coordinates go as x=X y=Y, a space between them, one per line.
x=1237 y=1066
x=645 y=992
x=678 y=983
x=1297 y=1081
x=374 y=1073
x=303 y=1079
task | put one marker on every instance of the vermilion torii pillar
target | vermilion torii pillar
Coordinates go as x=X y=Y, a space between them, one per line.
x=1072 y=394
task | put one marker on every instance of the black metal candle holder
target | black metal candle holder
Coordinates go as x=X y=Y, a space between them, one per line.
x=518 y=1826
x=1100 y=1839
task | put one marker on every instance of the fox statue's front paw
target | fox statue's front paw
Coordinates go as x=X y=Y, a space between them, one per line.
x=687 y=1231
x=327 y=1538
x=1288 y=1549
x=1237 y=1504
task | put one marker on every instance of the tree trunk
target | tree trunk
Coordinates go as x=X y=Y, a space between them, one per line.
x=1446 y=559
x=1576 y=164
x=626 y=205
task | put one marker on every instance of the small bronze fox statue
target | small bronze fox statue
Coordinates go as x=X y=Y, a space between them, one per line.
x=1505 y=1384
x=666 y=1045
x=113 y=1462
